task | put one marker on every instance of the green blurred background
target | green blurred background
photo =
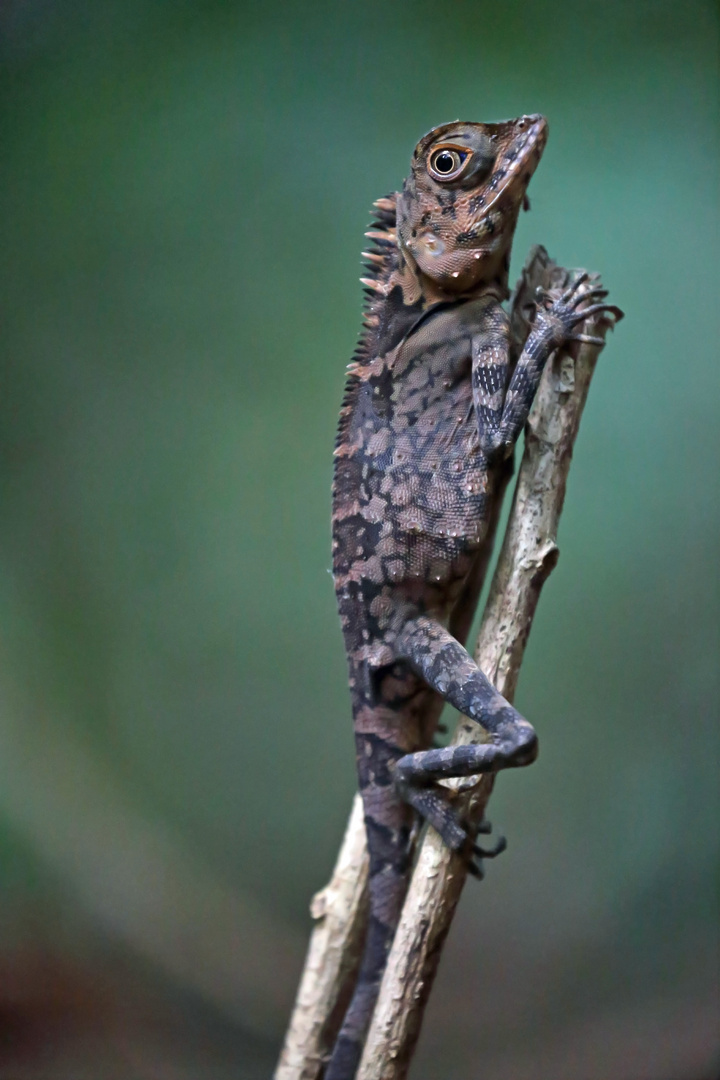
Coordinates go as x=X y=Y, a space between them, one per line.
x=184 y=188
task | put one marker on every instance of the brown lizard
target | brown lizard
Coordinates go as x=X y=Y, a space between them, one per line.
x=435 y=400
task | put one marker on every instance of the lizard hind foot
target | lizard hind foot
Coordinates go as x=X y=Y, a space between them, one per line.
x=435 y=808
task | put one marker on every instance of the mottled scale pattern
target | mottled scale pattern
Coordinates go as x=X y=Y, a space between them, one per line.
x=436 y=397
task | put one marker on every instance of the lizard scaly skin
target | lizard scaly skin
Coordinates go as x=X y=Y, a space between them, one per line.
x=434 y=403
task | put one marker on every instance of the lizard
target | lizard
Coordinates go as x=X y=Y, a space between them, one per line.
x=435 y=400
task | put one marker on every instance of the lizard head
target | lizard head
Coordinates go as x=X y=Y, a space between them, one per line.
x=458 y=208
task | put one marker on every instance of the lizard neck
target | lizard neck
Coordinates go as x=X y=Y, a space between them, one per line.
x=397 y=294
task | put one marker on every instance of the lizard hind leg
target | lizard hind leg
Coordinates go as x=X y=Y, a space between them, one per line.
x=447 y=667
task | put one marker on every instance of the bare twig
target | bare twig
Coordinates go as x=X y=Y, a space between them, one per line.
x=528 y=555
x=340 y=911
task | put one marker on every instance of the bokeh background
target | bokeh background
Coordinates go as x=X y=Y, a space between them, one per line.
x=184 y=191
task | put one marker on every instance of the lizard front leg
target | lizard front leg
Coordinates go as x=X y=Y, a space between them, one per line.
x=446 y=666
x=502 y=415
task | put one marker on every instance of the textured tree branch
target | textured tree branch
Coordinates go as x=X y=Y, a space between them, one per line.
x=340 y=911
x=528 y=555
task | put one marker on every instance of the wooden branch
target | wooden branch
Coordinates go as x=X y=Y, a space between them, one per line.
x=529 y=553
x=340 y=911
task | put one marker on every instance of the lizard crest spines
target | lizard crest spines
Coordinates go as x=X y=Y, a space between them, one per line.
x=382 y=252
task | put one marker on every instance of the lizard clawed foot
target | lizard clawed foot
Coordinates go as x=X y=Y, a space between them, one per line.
x=586 y=288
x=572 y=293
x=561 y=314
x=475 y=866
x=478 y=853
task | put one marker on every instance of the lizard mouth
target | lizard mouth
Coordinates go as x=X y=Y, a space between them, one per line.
x=517 y=161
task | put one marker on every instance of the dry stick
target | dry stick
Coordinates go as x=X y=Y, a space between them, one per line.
x=341 y=908
x=333 y=956
x=528 y=555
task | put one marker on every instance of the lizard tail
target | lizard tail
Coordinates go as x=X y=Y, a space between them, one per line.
x=384 y=731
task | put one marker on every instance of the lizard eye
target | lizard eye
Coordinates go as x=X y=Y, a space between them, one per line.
x=447 y=163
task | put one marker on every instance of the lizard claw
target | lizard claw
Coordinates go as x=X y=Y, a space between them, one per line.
x=490 y=853
x=595 y=309
x=475 y=866
x=478 y=853
x=582 y=300
x=573 y=288
x=575 y=296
